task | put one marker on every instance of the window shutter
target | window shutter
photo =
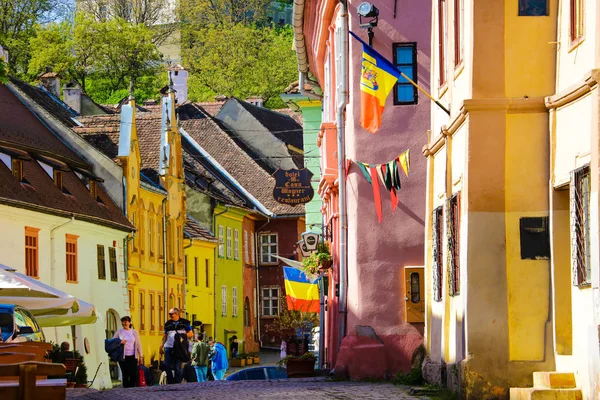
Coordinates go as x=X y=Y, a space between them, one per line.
x=573 y=208
x=437 y=296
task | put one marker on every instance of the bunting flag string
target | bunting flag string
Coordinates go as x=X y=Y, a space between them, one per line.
x=389 y=175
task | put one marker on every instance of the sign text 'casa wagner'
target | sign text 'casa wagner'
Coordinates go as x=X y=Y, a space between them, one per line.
x=293 y=186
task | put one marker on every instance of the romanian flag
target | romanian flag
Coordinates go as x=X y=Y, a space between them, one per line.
x=377 y=79
x=300 y=293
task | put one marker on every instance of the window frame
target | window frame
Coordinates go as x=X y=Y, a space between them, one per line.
x=576 y=21
x=269 y=244
x=112 y=262
x=454 y=244
x=152 y=300
x=207 y=271
x=236 y=244
x=142 y=310
x=458 y=32
x=234 y=302
x=442 y=39
x=101 y=258
x=437 y=252
x=522 y=11
x=270 y=298
x=246 y=245
x=32 y=252
x=221 y=234
x=17 y=169
x=414 y=66
x=71 y=258
x=223 y=301
x=196 y=271
x=581 y=226
x=161 y=310
x=229 y=243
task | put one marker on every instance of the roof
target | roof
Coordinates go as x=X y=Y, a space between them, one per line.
x=212 y=108
x=215 y=141
x=25 y=137
x=282 y=126
x=195 y=230
x=48 y=102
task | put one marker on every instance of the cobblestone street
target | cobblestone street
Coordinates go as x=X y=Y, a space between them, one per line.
x=309 y=389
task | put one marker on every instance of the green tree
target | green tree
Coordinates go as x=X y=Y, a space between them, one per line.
x=203 y=13
x=241 y=60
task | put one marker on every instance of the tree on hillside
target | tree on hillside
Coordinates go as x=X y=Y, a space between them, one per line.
x=115 y=51
x=203 y=13
x=17 y=21
x=241 y=60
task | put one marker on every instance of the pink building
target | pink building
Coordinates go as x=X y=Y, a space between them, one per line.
x=383 y=286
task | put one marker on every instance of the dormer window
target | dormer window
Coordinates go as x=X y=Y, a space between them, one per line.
x=93 y=186
x=17 y=169
x=58 y=179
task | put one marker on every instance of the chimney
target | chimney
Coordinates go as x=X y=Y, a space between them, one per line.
x=179 y=76
x=51 y=81
x=220 y=98
x=255 y=101
x=72 y=96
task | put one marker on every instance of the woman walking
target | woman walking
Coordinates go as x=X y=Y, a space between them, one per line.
x=133 y=352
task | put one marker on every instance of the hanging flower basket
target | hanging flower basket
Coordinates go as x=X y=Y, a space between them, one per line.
x=318 y=261
x=325 y=265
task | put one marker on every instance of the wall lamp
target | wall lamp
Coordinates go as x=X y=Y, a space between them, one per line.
x=370 y=13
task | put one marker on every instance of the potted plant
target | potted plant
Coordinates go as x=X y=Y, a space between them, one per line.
x=80 y=379
x=299 y=366
x=319 y=260
x=238 y=361
x=246 y=358
x=255 y=357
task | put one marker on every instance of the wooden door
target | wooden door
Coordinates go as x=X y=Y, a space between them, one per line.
x=415 y=294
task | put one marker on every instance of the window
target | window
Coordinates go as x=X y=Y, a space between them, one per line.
x=437 y=262
x=58 y=179
x=161 y=311
x=270 y=301
x=7 y=160
x=252 y=249
x=101 y=262
x=234 y=297
x=236 y=244
x=458 y=32
x=415 y=288
x=136 y=239
x=246 y=311
x=221 y=239
x=93 y=186
x=442 y=41
x=179 y=244
x=130 y=294
x=223 y=300
x=31 y=252
x=185 y=268
x=152 y=312
x=180 y=302
x=71 y=258
x=17 y=169
x=268 y=248
x=580 y=226
x=112 y=258
x=195 y=270
x=111 y=324
x=246 y=245
x=533 y=8
x=228 y=242
x=207 y=271
x=142 y=240
x=161 y=248
x=454 y=244
x=151 y=237
x=575 y=20
x=142 y=303
x=405 y=58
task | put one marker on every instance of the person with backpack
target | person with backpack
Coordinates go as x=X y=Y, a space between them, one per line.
x=218 y=358
x=200 y=360
x=175 y=343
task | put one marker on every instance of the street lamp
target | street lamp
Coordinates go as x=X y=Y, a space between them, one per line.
x=371 y=14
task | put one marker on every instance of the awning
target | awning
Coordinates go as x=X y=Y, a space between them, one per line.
x=50 y=306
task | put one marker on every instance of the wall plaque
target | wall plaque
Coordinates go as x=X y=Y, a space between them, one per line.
x=292 y=186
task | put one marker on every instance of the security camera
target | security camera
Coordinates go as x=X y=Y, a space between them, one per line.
x=367 y=10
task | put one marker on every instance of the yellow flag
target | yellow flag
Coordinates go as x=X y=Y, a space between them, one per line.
x=405 y=161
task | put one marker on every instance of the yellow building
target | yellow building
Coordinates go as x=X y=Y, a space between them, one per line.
x=157 y=210
x=489 y=325
x=199 y=283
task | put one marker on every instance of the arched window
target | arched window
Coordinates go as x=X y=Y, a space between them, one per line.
x=111 y=323
x=171 y=301
x=246 y=311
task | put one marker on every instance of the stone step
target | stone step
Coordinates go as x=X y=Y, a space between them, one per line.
x=554 y=380
x=545 y=394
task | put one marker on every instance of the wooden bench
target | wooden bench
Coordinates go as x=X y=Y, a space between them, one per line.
x=39 y=351
x=26 y=386
x=13 y=357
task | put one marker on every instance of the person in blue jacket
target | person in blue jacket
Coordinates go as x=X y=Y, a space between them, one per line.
x=218 y=358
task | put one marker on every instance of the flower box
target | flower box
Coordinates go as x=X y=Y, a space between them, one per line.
x=256 y=360
x=238 y=362
x=249 y=361
x=300 y=367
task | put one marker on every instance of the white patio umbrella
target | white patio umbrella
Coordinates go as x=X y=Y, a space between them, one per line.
x=50 y=306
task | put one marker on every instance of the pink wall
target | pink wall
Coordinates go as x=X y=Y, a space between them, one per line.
x=378 y=252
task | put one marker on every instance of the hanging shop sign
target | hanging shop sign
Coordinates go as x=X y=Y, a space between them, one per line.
x=293 y=187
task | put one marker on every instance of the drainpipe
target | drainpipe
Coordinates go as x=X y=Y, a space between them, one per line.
x=215 y=269
x=164 y=245
x=256 y=261
x=341 y=148
x=185 y=274
x=52 y=261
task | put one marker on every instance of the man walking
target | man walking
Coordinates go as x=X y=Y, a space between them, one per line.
x=200 y=360
x=218 y=358
x=174 y=342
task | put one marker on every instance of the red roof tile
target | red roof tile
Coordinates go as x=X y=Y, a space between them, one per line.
x=195 y=230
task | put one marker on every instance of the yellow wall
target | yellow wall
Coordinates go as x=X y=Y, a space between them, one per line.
x=199 y=288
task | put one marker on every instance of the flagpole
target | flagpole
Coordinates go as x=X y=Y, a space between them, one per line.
x=424 y=92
